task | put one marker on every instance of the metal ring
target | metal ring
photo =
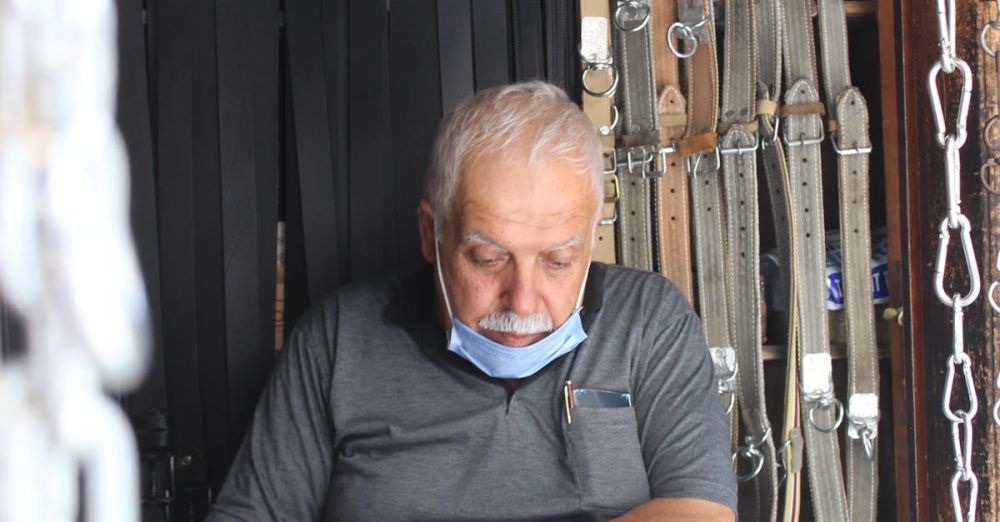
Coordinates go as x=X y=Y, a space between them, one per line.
x=989 y=295
x=988 y=139
x=750 y=453
x=599 y=67
x=607 y=130
x=984 y=175
x=732 y=401
x=634 y=4
x=982 y=39
x=687 y=34
x=838 y=408
x=996 y=412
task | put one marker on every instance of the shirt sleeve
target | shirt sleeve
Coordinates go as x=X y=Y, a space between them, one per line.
x=282 y=469
x=682 y=427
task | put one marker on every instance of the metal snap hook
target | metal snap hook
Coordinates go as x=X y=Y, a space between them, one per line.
x=970 y=262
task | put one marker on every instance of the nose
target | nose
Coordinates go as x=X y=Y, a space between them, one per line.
x=521 y=295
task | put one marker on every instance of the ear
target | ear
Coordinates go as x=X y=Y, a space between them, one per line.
x=425 y=222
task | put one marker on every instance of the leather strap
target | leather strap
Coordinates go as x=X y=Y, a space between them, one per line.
x=639 y=141
x=738 y=145
x=851 y=144
x=673 y=226
x=803 y=133
x=599 y=79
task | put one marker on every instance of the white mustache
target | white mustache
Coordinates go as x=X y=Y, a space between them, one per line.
x=507 y=321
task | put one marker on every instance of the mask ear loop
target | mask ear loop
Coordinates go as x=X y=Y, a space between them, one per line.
x=583 y=286
x=444 y=289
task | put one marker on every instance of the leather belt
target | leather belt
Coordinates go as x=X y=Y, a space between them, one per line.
x=693 y=39
x=803 y=133
x=738 y=146
x=600 y=81
x=638 y=145
x=673 y=227
x=849 y=138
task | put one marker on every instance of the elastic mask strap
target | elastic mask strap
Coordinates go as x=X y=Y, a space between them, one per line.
x=583 y=286
x=444 y=289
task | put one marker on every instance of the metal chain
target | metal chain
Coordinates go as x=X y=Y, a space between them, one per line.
x=69 y=268
x=954 y=219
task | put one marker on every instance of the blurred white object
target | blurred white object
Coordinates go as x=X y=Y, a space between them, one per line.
x=67 y=266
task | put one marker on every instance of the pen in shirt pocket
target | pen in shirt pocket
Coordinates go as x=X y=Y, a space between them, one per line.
x=568 y=400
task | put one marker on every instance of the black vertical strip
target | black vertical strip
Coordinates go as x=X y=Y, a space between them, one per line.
x=134 y=121
x=560 y=43
x=318 y=199
x=454 y=19
x=209 y=276
x=336 y=60
x=529 y=45
x=490 y=47
x=416 y=111
x=247 y=68
x=369 y=144
x=296 y=289
x=175 y=213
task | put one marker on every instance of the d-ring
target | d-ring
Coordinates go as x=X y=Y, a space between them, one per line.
x=988 y=136
x=639 y=7
x=687 y=35
x=606 y=92
x=755 y=456
x=606 y=130
x=984 y=176
x=995 y=24
x=989 y=294
x=838 y=407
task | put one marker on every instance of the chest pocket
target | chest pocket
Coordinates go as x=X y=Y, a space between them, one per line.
x=607 y=459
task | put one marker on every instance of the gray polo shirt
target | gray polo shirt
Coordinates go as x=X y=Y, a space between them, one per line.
x=367 y=416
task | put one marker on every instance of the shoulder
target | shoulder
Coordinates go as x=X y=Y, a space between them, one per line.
x=641 y=294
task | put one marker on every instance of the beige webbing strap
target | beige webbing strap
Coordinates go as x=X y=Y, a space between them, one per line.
x=738 y=144
x=673 y=226
x=851 y=144
x=639 y=140
x=803 y=134
x=600 y=80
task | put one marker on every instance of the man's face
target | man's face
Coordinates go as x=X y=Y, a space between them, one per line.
x=516 y=241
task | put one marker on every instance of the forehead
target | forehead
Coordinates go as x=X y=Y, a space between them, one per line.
x=544 y=199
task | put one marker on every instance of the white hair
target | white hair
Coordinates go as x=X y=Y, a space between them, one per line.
x=502 y=121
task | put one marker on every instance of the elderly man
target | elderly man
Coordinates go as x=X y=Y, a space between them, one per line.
x=512 y=380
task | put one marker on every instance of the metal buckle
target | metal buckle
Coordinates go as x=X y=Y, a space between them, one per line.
x=616 y=187
x=803 y=140
x=662 y=153
x=694 y=161
x=849 y=152
x=727 y=151
x=610 y=161
x=643 y=167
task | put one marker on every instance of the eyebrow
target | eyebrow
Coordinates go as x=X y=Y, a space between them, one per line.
x=475 y=237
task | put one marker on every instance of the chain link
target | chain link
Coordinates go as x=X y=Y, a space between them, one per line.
x=958 y=364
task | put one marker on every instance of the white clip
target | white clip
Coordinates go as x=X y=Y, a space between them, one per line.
x=862 y=412
x=594 y=39
x=817 y=376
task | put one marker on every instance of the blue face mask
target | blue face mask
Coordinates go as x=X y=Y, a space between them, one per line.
x=509 y=362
